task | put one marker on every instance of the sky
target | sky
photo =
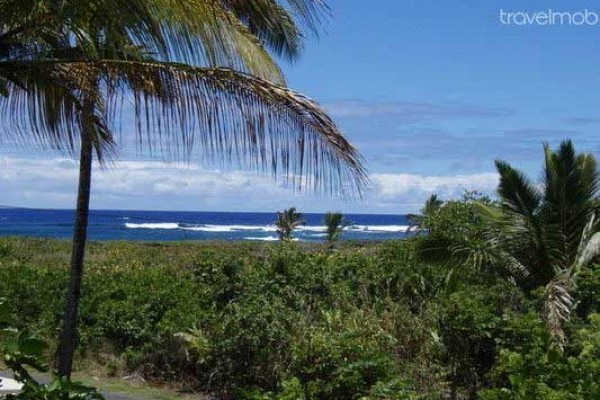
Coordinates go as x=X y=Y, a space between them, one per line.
x=431 y=93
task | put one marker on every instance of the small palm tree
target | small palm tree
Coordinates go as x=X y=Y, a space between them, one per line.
x=544 y=234
x=287 y=221
x=432 y=204
x=335 y=224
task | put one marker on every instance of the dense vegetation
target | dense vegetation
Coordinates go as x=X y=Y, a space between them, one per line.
x=286 y=321
x=498 y=300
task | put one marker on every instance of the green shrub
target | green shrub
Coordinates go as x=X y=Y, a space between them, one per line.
x=469 y=322
x=343 y=356
x=23 y=352
x=531 y=367
x=294 y=321
x=588 y=287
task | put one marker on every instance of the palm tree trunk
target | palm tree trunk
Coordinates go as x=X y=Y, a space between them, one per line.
x=68 y=337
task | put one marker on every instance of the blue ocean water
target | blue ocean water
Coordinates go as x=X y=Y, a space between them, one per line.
x=172 y=225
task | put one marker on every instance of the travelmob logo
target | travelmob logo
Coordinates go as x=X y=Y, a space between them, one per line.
x=549 y=17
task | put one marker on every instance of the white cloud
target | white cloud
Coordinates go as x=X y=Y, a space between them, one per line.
x=51 y=183
x=390 y=186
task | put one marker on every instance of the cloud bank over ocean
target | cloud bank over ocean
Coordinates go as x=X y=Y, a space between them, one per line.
x=50 y=183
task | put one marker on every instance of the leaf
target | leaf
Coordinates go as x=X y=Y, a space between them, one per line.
x=558 y=306
x=589 y=248
x=32 y=346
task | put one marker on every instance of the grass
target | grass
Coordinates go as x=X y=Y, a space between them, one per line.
x=137 y=389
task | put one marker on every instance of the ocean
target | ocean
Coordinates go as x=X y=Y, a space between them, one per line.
x=175 y=225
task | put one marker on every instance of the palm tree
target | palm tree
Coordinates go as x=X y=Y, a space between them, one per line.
x=335 y=224
x=67 y=68
x=545 y=233
x=287 y=221
x=432 y=204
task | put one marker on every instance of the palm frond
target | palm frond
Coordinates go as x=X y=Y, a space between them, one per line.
x=38 y=107
x=589 y=248
x=227 y=115
x=514 y=267
x=42 y=107
x=519 y=221
x=518 y=195
x=432 y=204
x=278 y=24
x=571 y=182
x=271 y=23
x=52 y=25
x=199 y=32
x=558 y=306
x=310 y=12
x=205 y=32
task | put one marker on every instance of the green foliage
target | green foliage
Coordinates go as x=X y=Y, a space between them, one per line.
x=58 y=389
x=553 y=218
x=343 y=356
x=432 y=205
x=293 y=321
x=455 y=231
x=436 y=316
x=288 y=221
x=23 y=351
x=529 y=365
x=545 y=234
x=130 y=307
x=469 y=322
x=588 y=288
x=335 y=223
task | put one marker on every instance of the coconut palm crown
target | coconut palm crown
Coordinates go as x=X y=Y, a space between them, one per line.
x=334 y=224
x=432 y=204
x=545 y=233
x=287 y=222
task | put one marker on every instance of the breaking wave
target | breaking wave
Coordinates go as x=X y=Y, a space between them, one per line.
x=161 y=225
x=379 y=228
x=310 y=230
x=266 y=239
x=229 y=228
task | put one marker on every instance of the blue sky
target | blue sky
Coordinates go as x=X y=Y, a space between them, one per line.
x=431 y=92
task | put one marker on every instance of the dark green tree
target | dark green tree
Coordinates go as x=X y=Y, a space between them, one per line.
x=335 y=224
x=287 y=222
x=432 y=204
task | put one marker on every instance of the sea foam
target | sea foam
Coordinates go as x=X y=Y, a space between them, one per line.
x=160 y=225
x=214 y=228
x=268 y=238
x=229 y=228
x=379 y=228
